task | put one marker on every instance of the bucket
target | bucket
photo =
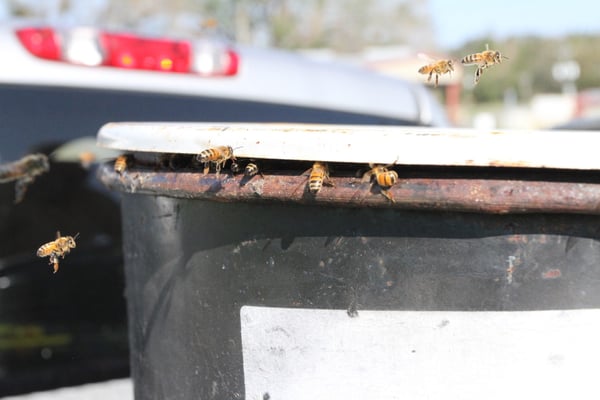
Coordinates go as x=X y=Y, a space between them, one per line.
x=476 y=273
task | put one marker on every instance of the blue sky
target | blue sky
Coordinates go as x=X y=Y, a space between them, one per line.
x=456 y=21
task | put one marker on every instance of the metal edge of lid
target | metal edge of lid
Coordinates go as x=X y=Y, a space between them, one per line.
x=402 y=145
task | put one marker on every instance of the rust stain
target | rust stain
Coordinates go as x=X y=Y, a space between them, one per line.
x=504 y=163
x=517 y=239
x=552 y=274
x=512 y=261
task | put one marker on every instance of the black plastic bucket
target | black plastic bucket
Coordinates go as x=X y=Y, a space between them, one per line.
x=232 y=296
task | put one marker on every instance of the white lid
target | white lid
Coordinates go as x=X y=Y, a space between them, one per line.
x=363 y=144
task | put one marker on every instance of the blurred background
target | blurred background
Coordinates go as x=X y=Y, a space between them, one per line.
x=550 y=77
x=71 y=327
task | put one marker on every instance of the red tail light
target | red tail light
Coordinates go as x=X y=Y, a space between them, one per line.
x=231 y=63
x=88 y=47
x=128 y=51
x=41 y=42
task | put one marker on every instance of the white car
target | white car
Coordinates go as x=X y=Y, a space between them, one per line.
x=60 y=83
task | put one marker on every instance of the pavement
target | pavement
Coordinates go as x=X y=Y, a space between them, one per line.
x=118 y=389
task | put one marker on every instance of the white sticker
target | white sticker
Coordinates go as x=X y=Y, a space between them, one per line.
x=325 y=354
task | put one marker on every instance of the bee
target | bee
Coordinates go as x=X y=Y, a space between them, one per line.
x=319 y=175
x=251 y=170
x=235 y=168
x=122 y=163
x=24 y=171
x=483 y=60
x=217 y=155
x=57 y=248
x=439 y=67
x=384 y=177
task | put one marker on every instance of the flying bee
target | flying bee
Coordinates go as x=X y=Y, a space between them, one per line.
x=384 y=177
x=319 y=175
x=122 y=162
x=24 y=171
x=216 y=155
x=439 y=67
x=483 y=60
x=57 y=248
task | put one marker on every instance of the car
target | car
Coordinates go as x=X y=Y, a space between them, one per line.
x=580 y=124
x=58 y=86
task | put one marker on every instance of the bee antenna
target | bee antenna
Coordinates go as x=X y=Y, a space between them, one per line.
x=76 y=236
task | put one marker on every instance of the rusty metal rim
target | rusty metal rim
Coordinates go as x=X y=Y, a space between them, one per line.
x=496 y=196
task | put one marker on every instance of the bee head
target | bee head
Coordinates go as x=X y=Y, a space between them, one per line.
x=498 y=57
x=71 y=243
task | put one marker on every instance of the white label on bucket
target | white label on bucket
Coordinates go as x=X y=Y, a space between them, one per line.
x=325 y=354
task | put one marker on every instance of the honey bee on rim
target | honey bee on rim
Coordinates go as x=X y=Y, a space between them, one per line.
x=235 y=167
x=483 y=60
x=384 y=177
x=57 y=248
x=122 y=162
x=437 y=68
x=216 y=155
x=319 y=175
x=251 y=170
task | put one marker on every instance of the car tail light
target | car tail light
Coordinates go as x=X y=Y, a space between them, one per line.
x=211 y=59
x=129 y=51
x=41 y=42
x=90 y=47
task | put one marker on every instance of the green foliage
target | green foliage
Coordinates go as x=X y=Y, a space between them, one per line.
x=528 y=69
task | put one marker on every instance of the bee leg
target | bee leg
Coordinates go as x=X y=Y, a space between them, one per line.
x=21 y=188
x=54 y=262
x=429 y=77
x=367 y=177
x=206 y=168
x=479 y=72
x=387 y=195
x=437 y=78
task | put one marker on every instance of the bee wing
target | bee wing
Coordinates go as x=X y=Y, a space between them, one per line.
x=424 y=57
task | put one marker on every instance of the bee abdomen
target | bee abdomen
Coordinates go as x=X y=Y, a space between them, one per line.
x=467 y=59
x=315 y=183
x=251 y=170
x=387 y=179
x=43 y=251
x=207 y=155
